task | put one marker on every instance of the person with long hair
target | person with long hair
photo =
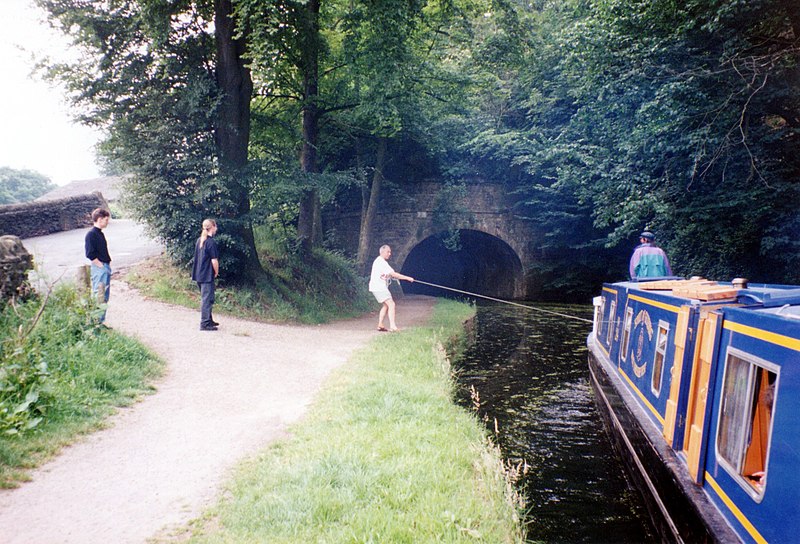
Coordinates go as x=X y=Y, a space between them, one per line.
x=205 y=270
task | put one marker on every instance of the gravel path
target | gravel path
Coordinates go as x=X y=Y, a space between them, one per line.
x=160 y=463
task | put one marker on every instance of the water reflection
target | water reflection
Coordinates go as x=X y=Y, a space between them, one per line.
x=530 y=373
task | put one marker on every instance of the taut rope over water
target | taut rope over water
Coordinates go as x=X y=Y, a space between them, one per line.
x=532 y=308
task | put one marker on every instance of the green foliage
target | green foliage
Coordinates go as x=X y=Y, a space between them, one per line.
x=380 y=77
x=314 y=289
x=626 y=115
x=602 y=116
x=21 y=380
x=147 y=75
x=22 y=185
x=60 y=374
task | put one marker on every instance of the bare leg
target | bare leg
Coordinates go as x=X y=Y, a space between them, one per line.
x=390 y=304
x=382 y=315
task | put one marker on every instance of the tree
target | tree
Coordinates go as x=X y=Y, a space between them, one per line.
x=695 y=109
x=22 y=185
x=396 y=58
x=680 y=117
x=232 y=130
x=168 y=82
x=286 y=50
x=355 y=74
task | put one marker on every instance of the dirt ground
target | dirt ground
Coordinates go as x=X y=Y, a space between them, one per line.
x=225 y=396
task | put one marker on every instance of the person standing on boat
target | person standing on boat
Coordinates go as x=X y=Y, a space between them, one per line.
x=382 y=274
x=649 y=260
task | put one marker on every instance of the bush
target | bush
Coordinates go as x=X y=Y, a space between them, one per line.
x=61 y=373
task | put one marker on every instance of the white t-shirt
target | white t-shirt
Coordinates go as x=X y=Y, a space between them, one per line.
x=379 y=279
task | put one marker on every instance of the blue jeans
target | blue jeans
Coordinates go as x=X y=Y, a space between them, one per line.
x=101 y=284
x=206 y=302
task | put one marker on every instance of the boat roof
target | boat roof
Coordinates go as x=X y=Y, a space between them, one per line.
x=780 y=300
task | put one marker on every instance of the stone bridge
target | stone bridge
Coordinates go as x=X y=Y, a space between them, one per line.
x=463 y=237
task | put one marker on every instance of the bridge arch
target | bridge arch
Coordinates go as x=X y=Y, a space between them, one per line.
x=473 y=261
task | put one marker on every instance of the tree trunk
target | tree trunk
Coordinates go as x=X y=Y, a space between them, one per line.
x=365 y=233
x=308 y=220
x=310 y=197
x=365 y=187
x=233 y=133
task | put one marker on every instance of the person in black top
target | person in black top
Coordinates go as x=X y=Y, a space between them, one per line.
x=204 y=270
x=97 y=252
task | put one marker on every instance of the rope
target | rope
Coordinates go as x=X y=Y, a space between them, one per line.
x=567 y=316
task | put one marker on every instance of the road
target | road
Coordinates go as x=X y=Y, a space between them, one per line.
x=57 y=257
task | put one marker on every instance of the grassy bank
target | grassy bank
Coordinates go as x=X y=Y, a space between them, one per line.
x=60 y=376
x=316 y=290
x=384 y=455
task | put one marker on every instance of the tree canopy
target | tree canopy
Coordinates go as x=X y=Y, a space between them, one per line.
x=604 y=117
x=681 y=118
x=167 y=82
x=22 y=185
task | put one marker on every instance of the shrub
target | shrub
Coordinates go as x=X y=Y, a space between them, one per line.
x=60 y=374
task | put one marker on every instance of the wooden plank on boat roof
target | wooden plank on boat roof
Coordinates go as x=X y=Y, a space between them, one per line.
x=693 y=289
x=719 y=293
x=660 y=285
x=696 y=288
x=669 y=285
x=707 y=292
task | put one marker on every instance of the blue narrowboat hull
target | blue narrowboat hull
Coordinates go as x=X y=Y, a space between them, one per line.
x=679 y=510
x=699 y=386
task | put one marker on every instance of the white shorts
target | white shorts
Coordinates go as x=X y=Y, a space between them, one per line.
x=382 y=296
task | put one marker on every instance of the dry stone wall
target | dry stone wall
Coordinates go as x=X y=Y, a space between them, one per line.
x=40 y=218
x=15 y=261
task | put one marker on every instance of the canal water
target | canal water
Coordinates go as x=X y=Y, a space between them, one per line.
x=527 y=374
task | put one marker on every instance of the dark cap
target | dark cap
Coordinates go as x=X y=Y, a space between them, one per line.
x=647 y=235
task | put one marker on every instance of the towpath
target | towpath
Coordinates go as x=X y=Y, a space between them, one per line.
x=159 y=463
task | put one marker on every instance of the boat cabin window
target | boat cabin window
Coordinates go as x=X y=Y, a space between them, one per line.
x=612 y=314
x=748 y=402
x=601 y=317
x=626 y=331
x=661 y=354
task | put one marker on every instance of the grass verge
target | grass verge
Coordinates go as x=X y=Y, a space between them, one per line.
x=60 y=376
x=291 y=290
x=384 y=455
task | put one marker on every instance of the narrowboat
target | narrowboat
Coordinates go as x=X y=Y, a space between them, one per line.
x=698 y=383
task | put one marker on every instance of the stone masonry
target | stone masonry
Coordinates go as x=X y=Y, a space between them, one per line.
x=31 y=219
x=420 y=210
x=15 y=261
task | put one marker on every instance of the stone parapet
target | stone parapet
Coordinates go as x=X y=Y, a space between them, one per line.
x=31 y=219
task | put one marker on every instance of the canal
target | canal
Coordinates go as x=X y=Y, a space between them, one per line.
x=526 y=374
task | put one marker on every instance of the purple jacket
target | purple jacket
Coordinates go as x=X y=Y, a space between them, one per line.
x=649 y=261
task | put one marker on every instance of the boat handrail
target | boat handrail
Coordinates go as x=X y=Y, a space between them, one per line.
x=769 y=299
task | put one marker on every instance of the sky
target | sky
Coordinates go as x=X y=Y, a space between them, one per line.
x=36 y=128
